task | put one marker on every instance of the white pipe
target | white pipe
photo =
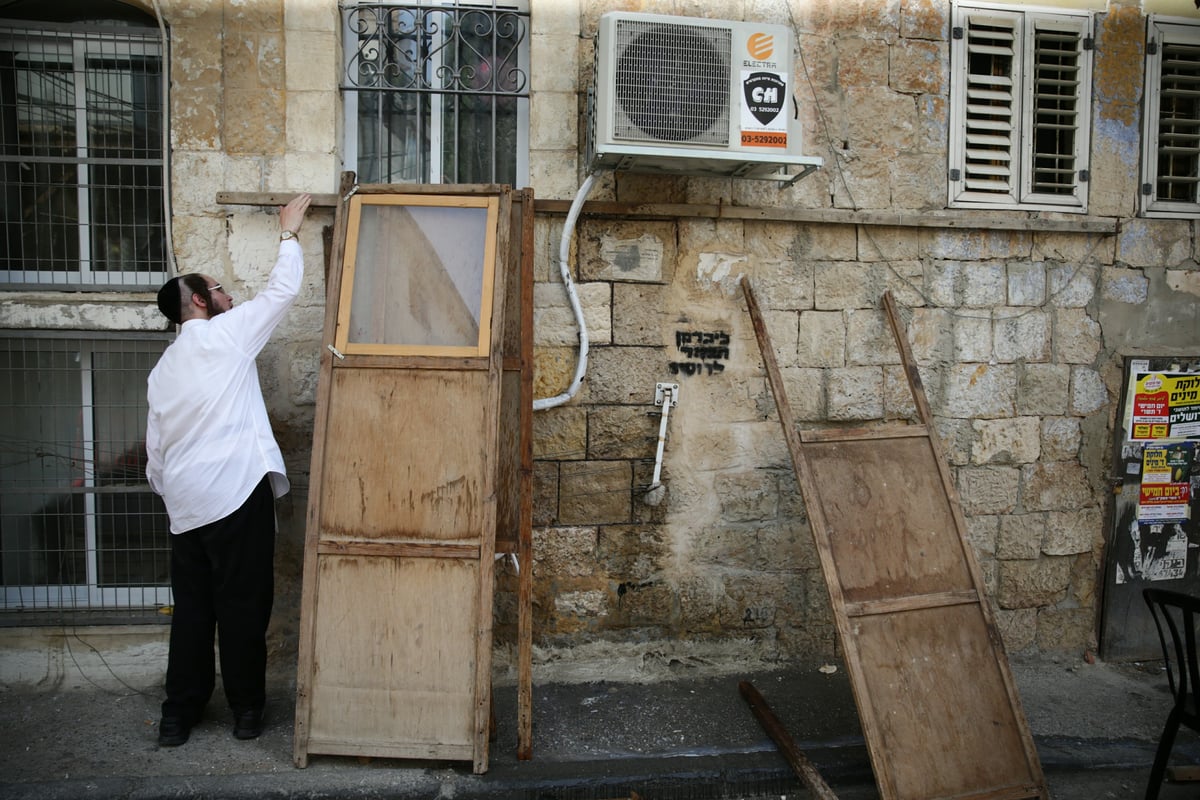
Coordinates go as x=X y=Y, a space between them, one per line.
x=564 y=249
x=668 y=397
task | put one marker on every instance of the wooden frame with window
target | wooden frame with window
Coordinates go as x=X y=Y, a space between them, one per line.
x=1170 y=185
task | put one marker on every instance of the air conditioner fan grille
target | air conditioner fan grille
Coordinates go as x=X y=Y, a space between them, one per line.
x=672 y=83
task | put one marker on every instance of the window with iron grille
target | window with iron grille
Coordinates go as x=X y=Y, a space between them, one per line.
x=437 y=91
x=1171 y=140
x=79 y=525
x=1020 y=100
x=81 y=128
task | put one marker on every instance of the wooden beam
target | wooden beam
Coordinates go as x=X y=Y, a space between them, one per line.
x=800 y=763
x=273 y=199
x=965 y=220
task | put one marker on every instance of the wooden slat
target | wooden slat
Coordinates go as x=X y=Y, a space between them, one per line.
x=913 y=603
x=885 y=431
x=525 y=512
x=398 y=549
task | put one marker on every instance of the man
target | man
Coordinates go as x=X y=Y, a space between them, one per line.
x=212 y=457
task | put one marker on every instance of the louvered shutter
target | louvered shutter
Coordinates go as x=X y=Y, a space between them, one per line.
x=1171 y=156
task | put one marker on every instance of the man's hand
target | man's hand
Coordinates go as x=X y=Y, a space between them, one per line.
x=291 y=216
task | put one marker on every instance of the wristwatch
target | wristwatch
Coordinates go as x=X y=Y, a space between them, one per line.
x=283 y=237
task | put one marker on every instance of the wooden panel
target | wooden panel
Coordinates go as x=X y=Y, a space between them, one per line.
x=934 y=691
x=887 y=518
x=392 y=471
x=413 y=684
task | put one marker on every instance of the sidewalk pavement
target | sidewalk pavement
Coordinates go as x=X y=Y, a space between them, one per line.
x=1095 y=727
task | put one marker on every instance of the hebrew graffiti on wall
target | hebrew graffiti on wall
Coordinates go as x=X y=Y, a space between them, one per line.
x=703 y=352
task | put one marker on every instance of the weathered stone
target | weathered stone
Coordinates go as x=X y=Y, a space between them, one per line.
x=988 y=490
x=842 y=284
x=1129 y=286
x=1043 y=388
x=923 y=19
x=545 y=493
x=869 y=339
x=1066 y=629
x=1061 y=438
x=1072 y=285
x=973 y=336
x=553 y=370
x=631 y=552
x=1033 y=583
x=980 y=391
x=918 y=67
x=564 y=552
x=877 y=243
x=1006 y=441
x=974 y=245
x=641 y=603
x=931 y=335
x=623 y=375
x=747 y=496
x=822 y=339
x=623 y=432
x=855 y=393
x=1020 y=536
x=638 y=314
x=983 y=533
x=898 y=401
x=1072 y=532
x=560 y=433
x=1088 y=392
x=554 y=321
x=805 y=393
x=1021 y=335
x=866 y=105
x=1154 y=242
x=1077 y=337
x=1018 y=628
x=978 y=284
x=956 y=437
x=589 y=603
x=1055 y=486
x=594 y=492
x=1026 y=283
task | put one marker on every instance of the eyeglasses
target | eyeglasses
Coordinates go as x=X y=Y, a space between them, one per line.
x=216 y=287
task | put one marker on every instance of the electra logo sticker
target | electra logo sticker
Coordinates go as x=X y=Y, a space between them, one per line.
x=764 y=95
x=760 y=46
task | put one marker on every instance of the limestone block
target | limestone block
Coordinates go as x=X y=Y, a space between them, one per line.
x=623 y=431
x=255 y=120
x=1072 y=532
x=594 y=492
x=1077 y=337
x=1021 y=335
x=1033 y=583
x=553 y=370
x=311 y=17
x=312 y=60
x=919 y=67
x=196 y=115
x=302 y=374
x=918 y=179
x=300 y=169
x=560 y=433
x=28 y=312
x=956 y=437
x=878 y=243
x=1154 y=242
x=700 y=597
x=545 y=493
x=805 y=393
x=554 y=320
x=782 y=330
x=1070 y=251
x=931 y=335
x=1018 y=628
x=555 y=173
x=849 y=284
x=1071 y=285
x=1061 y=438
x=553 y=120
x=923 y=19
x=869 y=339
x=1187 y=281
x=868 y=104
x=761 y=601
x=564 y=552
x=639 y=314
x=1124 y=285
x=747 y=496
x=855 y=393
x=1055 y=486
x=632 y=552
x=1066 y=629
x=979 y=284
x=554 y=62
x=1026 y=283
x=983 y=532
x=783 y=284
x=988 y=490
x=312 y=121
x=864 y=180
x=973 y=335
x=196 y=177
x=1043 y=388
x=980 y=390
x=975 y=244
x=1020 y=536
x=645 y=603
x=587 y=603
x=822 y=339
x=898 y=402
x=1006 y=441
x=1088 y=392
x=861 y=62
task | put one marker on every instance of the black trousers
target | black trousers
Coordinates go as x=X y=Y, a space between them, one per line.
x=223 y=581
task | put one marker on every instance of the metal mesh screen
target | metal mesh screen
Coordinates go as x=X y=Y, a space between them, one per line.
x=672 y=83
x=1179 y=123
x=1055 y=110
x=81 y=124
x=79 y=526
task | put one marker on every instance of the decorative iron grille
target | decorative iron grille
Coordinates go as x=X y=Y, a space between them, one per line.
x=440 y=90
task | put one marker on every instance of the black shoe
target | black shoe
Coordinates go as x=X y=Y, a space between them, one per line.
x=173 y=731
x=247 y=724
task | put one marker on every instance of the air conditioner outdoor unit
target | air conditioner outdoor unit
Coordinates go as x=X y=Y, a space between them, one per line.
x=693 y=96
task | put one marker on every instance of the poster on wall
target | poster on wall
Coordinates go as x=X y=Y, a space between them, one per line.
x=1165 y=406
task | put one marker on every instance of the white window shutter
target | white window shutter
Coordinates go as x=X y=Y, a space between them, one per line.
x=1171 y=139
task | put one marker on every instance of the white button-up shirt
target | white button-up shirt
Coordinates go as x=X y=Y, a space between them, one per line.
x=208 y=438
